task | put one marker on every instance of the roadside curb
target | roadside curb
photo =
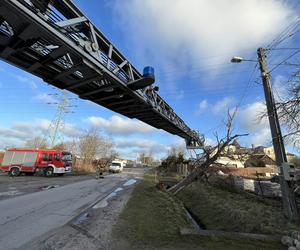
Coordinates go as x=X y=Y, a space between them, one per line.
x=231 y=235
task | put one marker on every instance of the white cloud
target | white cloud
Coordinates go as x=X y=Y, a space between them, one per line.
x=280 y=88
x=71 y=130
x=186 y=30
x=19 y=132
x=142 y=145
x=249 y=117
x=262 y=137
x=210 y=142
x=9 y=143
x=27 y=80
x=178 y=143
x=22 y=126
x=250 y=121
x=131 y=148
x=13 y=133
x=223 y=105
x=42 y=124
x=202 y=107
x=120 y=126
x=45 y=98
x=180 y=95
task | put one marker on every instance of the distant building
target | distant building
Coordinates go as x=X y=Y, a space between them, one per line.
x=229 y=162
x=234 y=155
x=269 y=151
x=259 y=160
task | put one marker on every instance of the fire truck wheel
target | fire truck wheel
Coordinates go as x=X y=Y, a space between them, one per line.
x=49 y=172
x=14 y=171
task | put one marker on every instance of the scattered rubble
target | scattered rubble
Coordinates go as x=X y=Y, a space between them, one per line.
x=292 y=241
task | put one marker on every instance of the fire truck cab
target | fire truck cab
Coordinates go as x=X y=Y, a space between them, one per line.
x=30 y=161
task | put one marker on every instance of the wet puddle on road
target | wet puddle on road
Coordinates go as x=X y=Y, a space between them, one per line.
x=130 y=182
x=48 y=187
x=118 y=190
x=11 y=193
x=81 y=219
x=103 y=203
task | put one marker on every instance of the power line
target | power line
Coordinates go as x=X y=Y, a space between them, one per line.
x=283 y=61
x=286 y=33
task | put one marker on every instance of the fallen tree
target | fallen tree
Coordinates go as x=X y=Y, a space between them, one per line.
x=209 y=156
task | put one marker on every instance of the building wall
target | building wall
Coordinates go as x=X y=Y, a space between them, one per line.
x=246 y=171
x=229 y=162
x=270 y=152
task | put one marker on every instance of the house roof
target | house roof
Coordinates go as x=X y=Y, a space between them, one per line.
x=235 y=143
x=261 y=157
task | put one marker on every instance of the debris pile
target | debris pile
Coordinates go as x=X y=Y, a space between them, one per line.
x=292 y=241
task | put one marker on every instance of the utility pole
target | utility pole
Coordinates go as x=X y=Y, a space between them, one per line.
x=288 y=198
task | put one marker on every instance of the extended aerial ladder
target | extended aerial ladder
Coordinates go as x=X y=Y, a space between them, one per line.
x=55 y=41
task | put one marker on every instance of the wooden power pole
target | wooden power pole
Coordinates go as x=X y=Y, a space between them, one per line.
x=288 y=198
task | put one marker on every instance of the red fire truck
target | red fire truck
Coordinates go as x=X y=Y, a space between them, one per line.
x=30 y=161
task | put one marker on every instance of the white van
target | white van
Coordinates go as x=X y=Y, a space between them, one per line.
x=116 y=167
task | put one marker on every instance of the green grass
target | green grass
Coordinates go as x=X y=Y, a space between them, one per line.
x=222 y=210
x=151 y=215
x=152 y=219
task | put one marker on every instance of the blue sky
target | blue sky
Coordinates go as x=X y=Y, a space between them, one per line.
x=190 y=44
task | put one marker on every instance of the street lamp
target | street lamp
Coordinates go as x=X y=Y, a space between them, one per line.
x=288 y=198
x=238 y=59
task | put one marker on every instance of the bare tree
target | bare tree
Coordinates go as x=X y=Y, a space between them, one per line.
x=59 y=146
x=71 y=146
x=209 y=156
x=89 y=145
x=289 y=109
x=97 y=150
x=36 y=142
x=106 y=155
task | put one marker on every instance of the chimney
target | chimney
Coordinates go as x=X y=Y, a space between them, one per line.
x=253 y=146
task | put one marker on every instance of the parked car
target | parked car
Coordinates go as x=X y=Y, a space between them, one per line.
x=116 y=167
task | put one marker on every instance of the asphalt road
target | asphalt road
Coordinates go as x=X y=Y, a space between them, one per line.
x=26 y=217
x=11 y=187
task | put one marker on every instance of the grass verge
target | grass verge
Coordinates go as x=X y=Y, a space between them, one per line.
x=152 y=219
x=222 y=210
